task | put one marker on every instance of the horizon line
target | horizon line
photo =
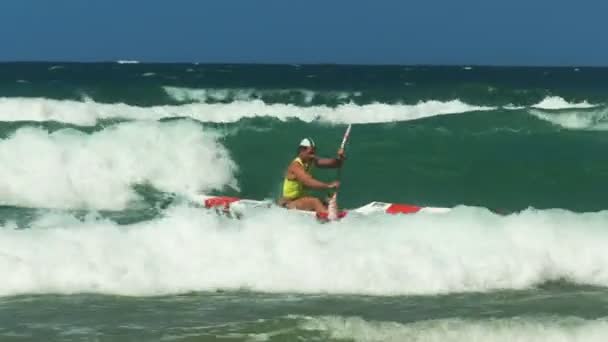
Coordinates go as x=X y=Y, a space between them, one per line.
x=135 y=62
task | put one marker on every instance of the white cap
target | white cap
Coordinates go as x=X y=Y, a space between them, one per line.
x=307 y=142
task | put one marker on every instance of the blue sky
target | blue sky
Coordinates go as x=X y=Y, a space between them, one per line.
x=507 y=32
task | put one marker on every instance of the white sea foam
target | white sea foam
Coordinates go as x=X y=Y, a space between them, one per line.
x=274 y=250
x=89 y=112
x=181 y=94
x=556 y=102
x=71 y=169
x=550 y=329
x=595 y=119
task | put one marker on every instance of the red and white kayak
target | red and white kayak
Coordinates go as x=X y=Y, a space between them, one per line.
x=236 y=206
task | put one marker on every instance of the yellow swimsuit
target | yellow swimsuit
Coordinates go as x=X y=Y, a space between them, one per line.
x=293 y=189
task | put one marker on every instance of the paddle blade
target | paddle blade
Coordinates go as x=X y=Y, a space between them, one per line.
x=345 y=137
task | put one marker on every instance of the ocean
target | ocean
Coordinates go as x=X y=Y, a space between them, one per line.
x=100 y=240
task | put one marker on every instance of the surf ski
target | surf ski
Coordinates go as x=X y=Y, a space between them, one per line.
x=237 y=207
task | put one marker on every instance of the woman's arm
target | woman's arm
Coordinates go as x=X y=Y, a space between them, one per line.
x=331 y=162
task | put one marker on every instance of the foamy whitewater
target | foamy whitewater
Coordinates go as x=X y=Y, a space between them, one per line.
x=71 y=169
x=89 y=113
x=187 y=250
x=514 y=329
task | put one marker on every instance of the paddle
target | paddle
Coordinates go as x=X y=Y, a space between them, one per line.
x=333 y=201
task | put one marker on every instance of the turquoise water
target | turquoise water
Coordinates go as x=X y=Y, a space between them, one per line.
x=99 y=238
